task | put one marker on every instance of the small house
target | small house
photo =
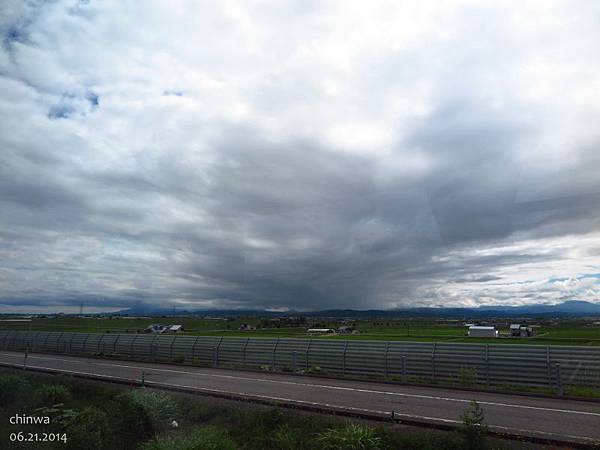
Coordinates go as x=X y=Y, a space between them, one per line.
x=155 y=328
x=526 y=332
x=345 y=329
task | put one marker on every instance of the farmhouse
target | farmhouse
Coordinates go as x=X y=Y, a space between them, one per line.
x=345 y=329
x=517 y=330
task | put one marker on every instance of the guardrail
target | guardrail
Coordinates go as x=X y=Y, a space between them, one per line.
x=485 y=364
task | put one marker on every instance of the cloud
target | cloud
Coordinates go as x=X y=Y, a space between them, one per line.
x=295 y=155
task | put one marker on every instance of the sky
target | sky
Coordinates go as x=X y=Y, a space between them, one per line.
x=298 y=154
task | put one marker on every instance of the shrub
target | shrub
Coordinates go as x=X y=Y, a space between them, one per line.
x=11 y=386
x=467 y=376
x=89 y=430
x=158 y=407
x=287 y=438
x=313 y=369
x=50 y=394
x=350 y=437
x=132 y=424
x=422 y=440
x=196 y=411
x=179 y=359
x=474 y=429
x=136 y=421
x=205 y=438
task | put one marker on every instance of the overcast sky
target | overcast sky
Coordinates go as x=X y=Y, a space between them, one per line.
x=300 y=154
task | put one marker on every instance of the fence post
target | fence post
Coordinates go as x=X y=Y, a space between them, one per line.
x=131 y=346
x=274 y=350
x=558 y=380
x=171 y=349
x=244 y=351
x=71 y=343
x=99 y=342
x=45 y=341
x=307 y=351
x=58 y=342
x=194 y=349
x=216 y=352
x=29 y=341
x=487 y=364
x=404 y=368
x=153 y=348
x=344 y=358
x=294 y=360
x=385 y=361
x=115 y=343
x=433 y=361
x=87 y=336
x=548 y=366
x=37 y=341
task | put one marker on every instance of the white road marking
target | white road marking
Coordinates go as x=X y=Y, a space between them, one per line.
x=324 y=386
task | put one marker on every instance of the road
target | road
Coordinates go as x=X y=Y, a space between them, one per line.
x=576 y=421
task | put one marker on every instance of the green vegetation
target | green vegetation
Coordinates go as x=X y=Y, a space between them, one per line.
x=97 y=416
x=351 y=437
x=473 y=428
x=12 y=387
x=204 y=438
x=563 y=332
x=50 y=394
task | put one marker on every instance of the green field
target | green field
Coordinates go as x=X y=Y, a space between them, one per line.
x=566 y=332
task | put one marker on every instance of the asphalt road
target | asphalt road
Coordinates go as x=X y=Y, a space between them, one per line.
x=532 y=416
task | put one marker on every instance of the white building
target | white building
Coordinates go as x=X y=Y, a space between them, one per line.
x=320 y=330
x=483 y=331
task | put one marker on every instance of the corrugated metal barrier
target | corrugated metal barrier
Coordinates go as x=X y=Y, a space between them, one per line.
x=468 y=364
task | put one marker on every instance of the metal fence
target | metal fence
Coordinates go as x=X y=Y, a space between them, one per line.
x=494 y=365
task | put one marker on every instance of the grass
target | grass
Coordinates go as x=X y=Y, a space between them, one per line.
x=99 y=416
x=567 y=332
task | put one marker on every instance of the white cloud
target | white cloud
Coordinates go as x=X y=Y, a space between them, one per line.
x=212 y=119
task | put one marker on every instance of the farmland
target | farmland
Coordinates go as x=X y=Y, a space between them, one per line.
x=556 y=332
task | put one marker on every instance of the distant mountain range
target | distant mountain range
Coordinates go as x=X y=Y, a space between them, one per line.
x=568 y=308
